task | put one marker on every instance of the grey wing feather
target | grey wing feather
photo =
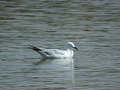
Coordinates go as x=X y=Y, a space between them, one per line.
x=56 y=51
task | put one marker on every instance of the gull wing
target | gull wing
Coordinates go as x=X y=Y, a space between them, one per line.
x=47 y=52
x=54 y=52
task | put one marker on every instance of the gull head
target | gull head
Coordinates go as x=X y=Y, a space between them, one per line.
x=71 y=45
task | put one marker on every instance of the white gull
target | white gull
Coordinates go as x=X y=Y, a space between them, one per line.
x=56 y=53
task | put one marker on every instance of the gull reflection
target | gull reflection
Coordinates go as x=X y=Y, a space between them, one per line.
x=58 y=68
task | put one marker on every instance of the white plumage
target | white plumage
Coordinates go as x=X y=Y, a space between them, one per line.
x=56 y=53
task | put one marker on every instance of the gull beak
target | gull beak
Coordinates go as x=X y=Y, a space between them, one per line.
x=75 y=48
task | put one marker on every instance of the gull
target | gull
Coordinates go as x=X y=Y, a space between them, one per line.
x=56 y=53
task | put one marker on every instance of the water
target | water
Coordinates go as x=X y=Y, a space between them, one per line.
x=93 y=25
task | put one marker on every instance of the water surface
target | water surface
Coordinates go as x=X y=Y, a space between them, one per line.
x=93 y=25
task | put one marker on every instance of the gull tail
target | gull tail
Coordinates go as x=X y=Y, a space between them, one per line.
x=35 y=48
x=38 y=50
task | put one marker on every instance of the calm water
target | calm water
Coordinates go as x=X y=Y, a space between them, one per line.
x=93 y=25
